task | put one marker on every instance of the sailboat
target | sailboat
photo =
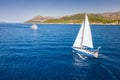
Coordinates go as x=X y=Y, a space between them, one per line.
x=83 y=43
x=34 y=27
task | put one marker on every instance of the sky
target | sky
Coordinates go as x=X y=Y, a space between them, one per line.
x=23 y=10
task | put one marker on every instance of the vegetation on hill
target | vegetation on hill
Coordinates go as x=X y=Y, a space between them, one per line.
x=103 y=18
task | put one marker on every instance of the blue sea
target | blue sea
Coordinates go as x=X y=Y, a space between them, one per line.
x=46 y=54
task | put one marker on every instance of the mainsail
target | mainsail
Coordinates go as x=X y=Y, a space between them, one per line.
x=87 y=37
x=84 y=37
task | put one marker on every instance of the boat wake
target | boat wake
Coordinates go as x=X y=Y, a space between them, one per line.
x=81 y=56
x=109 y=72
x=104 y=57
x=79 y=60
x=83 y=61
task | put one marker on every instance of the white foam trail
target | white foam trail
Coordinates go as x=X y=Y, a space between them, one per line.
x=83 y=58
x=78 y=61
x=109 y=71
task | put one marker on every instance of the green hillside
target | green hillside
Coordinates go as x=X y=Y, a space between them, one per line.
x=103 y=18
x=78 y=18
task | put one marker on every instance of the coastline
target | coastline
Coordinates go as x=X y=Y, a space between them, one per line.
x=63 y=23
x=74 y=23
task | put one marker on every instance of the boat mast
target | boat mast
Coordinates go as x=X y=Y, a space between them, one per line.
x=83 y=33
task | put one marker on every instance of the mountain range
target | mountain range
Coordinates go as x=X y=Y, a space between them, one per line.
x=94 y=18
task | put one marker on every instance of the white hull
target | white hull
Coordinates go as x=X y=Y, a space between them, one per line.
x=87 y=52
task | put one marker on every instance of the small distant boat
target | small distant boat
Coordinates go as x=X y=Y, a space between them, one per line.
x=34 y=27
x=83 y=43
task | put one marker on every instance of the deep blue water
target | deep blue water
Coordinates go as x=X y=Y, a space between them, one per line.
x=46 y=54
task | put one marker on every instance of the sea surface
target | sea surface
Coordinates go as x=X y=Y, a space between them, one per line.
x=46 y=54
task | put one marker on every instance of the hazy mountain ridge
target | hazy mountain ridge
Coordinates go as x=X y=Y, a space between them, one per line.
x=100 y=18
x=111 y=15
x=38 y=19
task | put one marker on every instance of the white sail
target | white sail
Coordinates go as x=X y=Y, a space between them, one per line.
x=84 y=37
x=87 y=37
x=34 y=27
x=78 y=39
